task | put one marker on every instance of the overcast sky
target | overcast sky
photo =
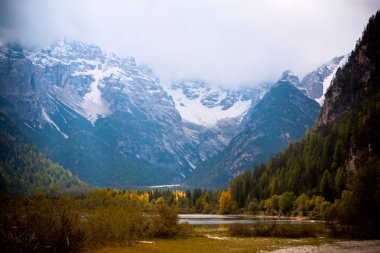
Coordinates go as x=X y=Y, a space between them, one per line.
x=225 y=42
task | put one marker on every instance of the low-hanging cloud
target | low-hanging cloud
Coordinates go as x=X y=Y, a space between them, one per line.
x=225 y=42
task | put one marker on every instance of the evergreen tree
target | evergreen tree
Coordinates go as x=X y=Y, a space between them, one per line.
x=326 y=188
x=340 y=182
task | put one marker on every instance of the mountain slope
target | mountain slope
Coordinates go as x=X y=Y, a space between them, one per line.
x=23 y=169
x=86 y=108
x=316 y=83
x=109 y=119
x=281 y=116
x=340 y=157
x=200 y=104
x=213 y=116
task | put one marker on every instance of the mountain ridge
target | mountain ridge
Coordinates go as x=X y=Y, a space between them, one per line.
x=82 y=106
x=282 y=115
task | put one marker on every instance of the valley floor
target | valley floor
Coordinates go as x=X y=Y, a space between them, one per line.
x=341 y=246
x=210 y=241
x=240 y=245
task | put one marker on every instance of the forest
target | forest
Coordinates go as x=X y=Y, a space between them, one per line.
x=340 y=160
x=331 y=174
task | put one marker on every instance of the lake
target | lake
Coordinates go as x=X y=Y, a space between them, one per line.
x=214 y=219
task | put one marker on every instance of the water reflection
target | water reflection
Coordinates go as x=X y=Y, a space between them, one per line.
x=211 y=219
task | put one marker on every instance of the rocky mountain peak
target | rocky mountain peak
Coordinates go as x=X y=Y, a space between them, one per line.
x=282 y=115
x=203 y=104
x=358 y=80
x=316 y=83
x=290 y=77
x=66 y=50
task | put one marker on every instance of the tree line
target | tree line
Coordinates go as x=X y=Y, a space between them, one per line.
x=42 y=223
x=338 y=162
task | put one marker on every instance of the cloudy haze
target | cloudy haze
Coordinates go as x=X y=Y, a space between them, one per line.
x=228 y=42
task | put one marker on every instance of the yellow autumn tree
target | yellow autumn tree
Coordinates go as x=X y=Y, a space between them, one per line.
x=225 y=202
x=144 y=197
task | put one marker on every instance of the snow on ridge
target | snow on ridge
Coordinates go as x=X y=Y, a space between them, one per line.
x=51 y=122
x=164 y=186
x=93 y=103
x=327 y=81
x=183 y=175
x=192 y=110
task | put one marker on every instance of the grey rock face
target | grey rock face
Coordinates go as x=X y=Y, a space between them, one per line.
x=213 y=116
x=314 y=82
x=73 y=98
x=289 y=77
x=108 y=119
x=282 y=115
x=111 y=122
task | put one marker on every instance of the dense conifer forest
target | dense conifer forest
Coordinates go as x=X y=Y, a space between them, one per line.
x=338 y=159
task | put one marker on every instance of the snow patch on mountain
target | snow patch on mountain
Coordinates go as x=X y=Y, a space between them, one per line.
x=51 y=122
x=93 y=103
x=328 y=79
x=196 y=110
x=289 y=77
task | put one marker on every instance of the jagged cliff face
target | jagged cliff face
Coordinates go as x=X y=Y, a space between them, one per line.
x=355 y=92
x=212 y=116
x=282 y=115
x=316 y=83
x=96 y=114
x=358 y=80
x=109 y=120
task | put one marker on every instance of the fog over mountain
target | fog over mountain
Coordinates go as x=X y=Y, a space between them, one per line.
x=223 y=42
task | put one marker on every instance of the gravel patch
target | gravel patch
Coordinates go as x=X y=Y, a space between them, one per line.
x=217 y=237
x=343 y=246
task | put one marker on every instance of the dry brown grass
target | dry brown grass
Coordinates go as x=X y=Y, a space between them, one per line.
x=199 y=243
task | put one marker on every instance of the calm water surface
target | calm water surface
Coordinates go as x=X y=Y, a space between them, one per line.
x=214 y=219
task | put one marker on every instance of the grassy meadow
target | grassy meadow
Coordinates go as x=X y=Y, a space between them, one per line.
x=212 y=241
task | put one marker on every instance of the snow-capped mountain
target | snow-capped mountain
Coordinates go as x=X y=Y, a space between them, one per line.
x=289 y=77
x=88 y=79
x=203 y=105
x=212 y=116
x=316 y=83
x=104 y=117
x=281 y=116
x=109 y=120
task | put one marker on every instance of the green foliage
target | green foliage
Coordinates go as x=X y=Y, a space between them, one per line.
x=252 y=206
x=340 y=182
x=39 y=224
x=282 y=115
x=338 y=158
x=286 y=202
x=318 y=206
x=165 y=223
x=358 y=209
x=110 y=224
x=326 y=187
x=23 y=169
x=302 y=203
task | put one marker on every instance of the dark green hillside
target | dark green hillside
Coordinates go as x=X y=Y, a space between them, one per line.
x=281 y=116
x=23 y=169
x=340 y=157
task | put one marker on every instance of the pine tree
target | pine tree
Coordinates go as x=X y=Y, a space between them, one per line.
x=340 y=182
x=326 y=188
